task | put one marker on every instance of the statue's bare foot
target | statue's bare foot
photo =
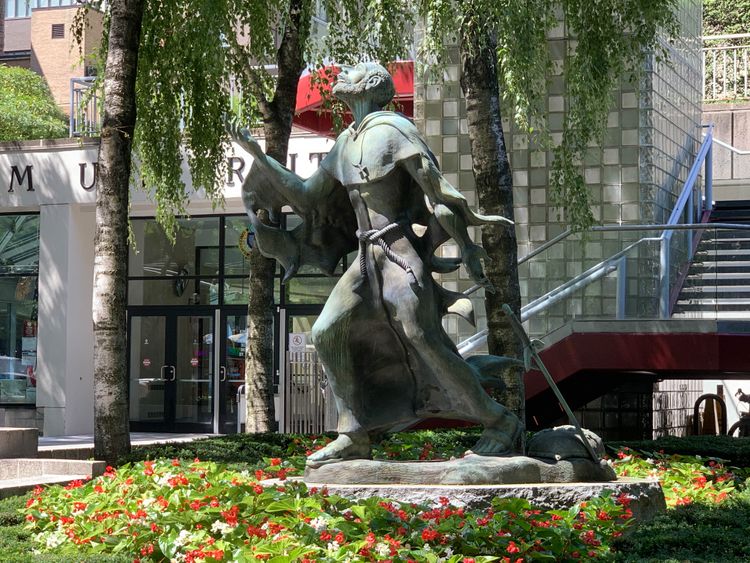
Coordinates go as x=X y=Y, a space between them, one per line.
x=499 y=439
x=346 y=446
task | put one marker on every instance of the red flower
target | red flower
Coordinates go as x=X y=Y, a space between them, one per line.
x=340 y=538
x=512 y=547
x=176 y=462
x=428 y=534
x=325 y=535
x=148 y=468
x=275 y=461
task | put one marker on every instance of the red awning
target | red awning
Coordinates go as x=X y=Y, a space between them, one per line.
x=310 y=116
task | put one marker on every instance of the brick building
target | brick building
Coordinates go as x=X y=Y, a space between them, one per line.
x=37 y=34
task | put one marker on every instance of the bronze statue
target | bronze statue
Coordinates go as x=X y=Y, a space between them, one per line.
x=379 y=336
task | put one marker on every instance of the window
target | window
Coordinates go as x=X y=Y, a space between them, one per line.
x=19 y=272
x=58 y=30
x=23 y=8
x=208 y=265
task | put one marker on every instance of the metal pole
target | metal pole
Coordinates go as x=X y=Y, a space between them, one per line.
x=710 y=174
x=530 y=353
x=622 y=286
x=664 y=276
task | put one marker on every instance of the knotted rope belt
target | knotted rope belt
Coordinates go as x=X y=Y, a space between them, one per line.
x=377 y=236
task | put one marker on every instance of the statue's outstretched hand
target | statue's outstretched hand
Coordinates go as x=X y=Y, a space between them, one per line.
x=472 y=260
x=243 y=136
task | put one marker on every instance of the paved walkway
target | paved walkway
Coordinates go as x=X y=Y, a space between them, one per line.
x=86 y=441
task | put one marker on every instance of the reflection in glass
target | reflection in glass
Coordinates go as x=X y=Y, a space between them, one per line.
x=156 y=255
x=194 y=369
x=236 y=344
x=312 y=290
x=177 y=291
x=19 y=269
x=147 y=369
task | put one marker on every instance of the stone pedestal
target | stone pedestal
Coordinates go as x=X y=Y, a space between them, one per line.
x=468 y=470
x=647 y=497
x=473 y=481
x=18 y=442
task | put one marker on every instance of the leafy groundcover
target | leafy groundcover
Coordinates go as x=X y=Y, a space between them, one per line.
x=192 y=510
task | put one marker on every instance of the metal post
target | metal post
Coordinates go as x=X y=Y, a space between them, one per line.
x=690 y=212
x=622 y=286
x=664 y=275
x=710 y=174
x=72 y=110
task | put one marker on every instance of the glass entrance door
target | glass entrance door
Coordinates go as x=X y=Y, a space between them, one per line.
x=172 y=372
x=232 y=371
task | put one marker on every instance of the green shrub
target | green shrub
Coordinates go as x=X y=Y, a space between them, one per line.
x=723 y=17
x=27 y=109
x=697 y=532
x=735 y=451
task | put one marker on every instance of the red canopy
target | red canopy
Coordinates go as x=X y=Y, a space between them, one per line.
x=310 y=115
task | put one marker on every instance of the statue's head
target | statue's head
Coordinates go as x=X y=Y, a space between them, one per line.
x=365 y=80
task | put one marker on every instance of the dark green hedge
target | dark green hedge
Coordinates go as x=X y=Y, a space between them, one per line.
x=721 y=17
x=692 y=533
x=735 y=450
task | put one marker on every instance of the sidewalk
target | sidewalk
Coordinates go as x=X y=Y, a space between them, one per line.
x=81 y=446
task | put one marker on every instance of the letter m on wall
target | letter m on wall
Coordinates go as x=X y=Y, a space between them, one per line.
x=17 y=177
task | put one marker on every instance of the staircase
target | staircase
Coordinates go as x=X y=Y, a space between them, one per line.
x=717 y=285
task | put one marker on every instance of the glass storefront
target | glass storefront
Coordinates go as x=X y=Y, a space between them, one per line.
x=185 y=296
x=19 y=273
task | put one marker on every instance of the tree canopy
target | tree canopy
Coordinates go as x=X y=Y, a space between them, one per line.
x=609 y=40
x=186 y=65
x=723 y=17
x=27 y=109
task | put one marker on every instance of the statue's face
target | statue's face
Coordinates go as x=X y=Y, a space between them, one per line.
x=365 y=81
x=350 y=81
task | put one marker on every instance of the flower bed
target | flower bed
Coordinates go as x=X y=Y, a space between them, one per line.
x=161 y=510
x=200 y=511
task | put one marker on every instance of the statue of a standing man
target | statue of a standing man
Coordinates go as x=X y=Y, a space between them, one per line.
x=380 y=336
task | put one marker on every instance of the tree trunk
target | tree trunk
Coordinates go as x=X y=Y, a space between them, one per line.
x=277 y=128
x=111 y=421
x=494 y=187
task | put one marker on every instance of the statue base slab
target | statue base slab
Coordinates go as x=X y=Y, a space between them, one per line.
x=647 y=497
x=469 y=470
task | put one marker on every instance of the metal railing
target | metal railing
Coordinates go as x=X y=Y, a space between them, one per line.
x=686 y=211
x=85 y=119
x=726 y=67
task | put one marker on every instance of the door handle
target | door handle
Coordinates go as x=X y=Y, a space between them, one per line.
x=222 y=373
x=174 y=373
x=161 y=373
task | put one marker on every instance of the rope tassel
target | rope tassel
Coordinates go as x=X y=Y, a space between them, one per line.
x=375 y=236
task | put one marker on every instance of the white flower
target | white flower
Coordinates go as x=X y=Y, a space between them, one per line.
x=333 y=546
x=319 y=524
x=148 y=502
x=55 y=539
x=182 y=538
x=448 y=551
x=382 y=549
x=220 y=526
x=178 y=558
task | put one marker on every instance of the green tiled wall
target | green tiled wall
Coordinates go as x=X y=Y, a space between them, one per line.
x=653 y=132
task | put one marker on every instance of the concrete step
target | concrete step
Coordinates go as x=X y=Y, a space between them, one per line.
x=719 y=315
x=723 y=266
x=710 y=289
x=727 y=254
x=713 y=302
x=19 y=475
x=719 y=276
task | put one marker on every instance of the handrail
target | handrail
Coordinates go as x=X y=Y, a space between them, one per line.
x=618 y=261
x=730 y=147
x=730 y=36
